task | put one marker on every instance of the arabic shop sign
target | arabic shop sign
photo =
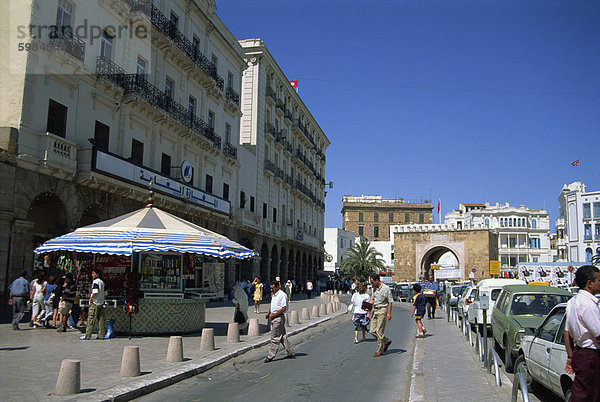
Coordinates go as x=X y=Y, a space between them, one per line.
x=120 y=168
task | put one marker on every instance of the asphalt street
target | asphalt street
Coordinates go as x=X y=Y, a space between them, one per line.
x=328 y=366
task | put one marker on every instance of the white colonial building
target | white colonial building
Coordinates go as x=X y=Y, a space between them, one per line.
x=337 y=242
x=284 y=144
x=126 y=92
x=578 y=224
x=523 y=234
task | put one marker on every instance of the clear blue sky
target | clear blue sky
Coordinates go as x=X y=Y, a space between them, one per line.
x=467 y=100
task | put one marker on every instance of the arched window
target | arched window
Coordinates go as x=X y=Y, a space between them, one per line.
x=487 y=223
x=534 y=223
x=588 y=254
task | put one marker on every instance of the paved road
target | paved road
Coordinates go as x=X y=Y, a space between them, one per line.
x=328 y=367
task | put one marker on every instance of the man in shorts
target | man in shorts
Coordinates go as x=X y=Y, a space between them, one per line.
x=419 y=306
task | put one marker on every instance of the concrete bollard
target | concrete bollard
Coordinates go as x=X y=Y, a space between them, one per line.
x=348 y=292
x=336 y=306
x=253 y=328
x=315 y=312
x=233 y=332
x=336 y=299
x=207 y=343
x=69 y=378
x=322 y=310
x=130 y=364
x=329 y=308
x=175 y=350
x=305 y=315
x=294 y=318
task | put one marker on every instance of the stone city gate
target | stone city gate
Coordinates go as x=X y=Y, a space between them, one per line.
x=416 y=248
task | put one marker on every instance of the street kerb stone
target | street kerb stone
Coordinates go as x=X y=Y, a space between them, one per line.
x=175 y=350
x=294 y=318
x=315 y=312
x=323 y=310
x=233 y=332
x=253 y=327
x=69 y=378
x=207 y=342
x=305 y=314
x=130 y=364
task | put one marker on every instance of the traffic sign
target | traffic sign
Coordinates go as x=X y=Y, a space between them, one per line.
x=494 y=267
x=473 y=270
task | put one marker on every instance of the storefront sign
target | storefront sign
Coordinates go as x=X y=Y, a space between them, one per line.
x=453 y=273
x=494 y=267
x=186 y=171
x=114 y=166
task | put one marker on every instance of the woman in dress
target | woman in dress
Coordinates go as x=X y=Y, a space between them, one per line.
x=38 y=290
x=360 y=318
x=258 y=294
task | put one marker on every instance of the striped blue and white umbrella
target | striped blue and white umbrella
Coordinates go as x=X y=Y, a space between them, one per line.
x=147 y=229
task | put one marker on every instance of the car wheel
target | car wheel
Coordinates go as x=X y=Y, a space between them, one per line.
x=521 y=367
x=509 y=364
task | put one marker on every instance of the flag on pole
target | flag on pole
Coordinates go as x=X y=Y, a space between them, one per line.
x=575 y=163
x=439 y=204
x=294 y=83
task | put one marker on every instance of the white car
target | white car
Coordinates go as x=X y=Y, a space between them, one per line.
x=542 y=356
x=493 y=287
x=466 y=298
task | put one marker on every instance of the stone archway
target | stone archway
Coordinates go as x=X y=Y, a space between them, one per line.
x=264 y=264
x=94 y=213
x=432 y=256
x=291 y=265
x=245 y=265
x=274 y=262
x=283 y=269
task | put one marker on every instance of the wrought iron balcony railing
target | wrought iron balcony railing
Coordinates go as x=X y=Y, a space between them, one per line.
x=271 y=93
x=164 y=25
x=62 y=38
x=279 y=105
x=231 y=95
x=270 y=129
x=230 y=150
x=136 y=83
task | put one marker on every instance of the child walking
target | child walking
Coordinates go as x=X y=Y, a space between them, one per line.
x=419 y=306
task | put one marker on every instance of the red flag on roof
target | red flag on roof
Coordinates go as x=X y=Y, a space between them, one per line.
x=294 y=83
x=439 y=204
x=575 y=163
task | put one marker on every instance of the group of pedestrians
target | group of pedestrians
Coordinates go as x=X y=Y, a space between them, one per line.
x=52 y=301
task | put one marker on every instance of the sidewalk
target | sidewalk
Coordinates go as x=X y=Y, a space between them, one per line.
x=30 y=359
x=446 y=368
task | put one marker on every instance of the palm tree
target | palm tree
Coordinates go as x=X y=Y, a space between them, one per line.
x=361 y=260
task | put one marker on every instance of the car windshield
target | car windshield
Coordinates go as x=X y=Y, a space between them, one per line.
x=456 y=290
x=535 y=303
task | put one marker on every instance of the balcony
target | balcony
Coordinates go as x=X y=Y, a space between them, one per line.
x=48 y=153
x=269 y=166
x=270 y=129
x=230 y=150
x=288 y=115
x=280 y=106
x=137 y=84
x=167 y=28
x=64 y=39
x=232 y=96
x=288 y=180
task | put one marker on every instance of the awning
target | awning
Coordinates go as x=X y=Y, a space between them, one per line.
x=147 y=229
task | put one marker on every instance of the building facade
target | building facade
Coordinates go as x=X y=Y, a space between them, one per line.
x=371 y=216
x=93 y=113
x=285 y=145
x=578 y=224
x=337 y=242
x=523 y=234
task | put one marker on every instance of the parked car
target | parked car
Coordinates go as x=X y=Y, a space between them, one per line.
x=465 y=300
x=403 y=292
x=542 y=356
x=454 y=293
x=521 y=308
x=493 y=287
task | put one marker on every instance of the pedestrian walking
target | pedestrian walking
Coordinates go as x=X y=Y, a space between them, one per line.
x=430 y=292
x=19 y=292
x=582 y=336
x=279 y=305
x=419 y=305
x=38 y=291
x=289 y=289
x=359 y=316
x=67 y=298
x=48 y=300
x=258 y=294
x=309 y=288
x=96 y=313
x=240 y=314
x=382 y=313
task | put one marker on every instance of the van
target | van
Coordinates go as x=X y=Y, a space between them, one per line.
x=493 y=287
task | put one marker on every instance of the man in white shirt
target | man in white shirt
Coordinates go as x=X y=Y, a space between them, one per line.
x=96 y=313
x=582 y=336
x=279 y=305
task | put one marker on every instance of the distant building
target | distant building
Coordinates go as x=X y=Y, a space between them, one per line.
x=371 y=216
x=523 y=234
x=578 y=224
x=337 y=242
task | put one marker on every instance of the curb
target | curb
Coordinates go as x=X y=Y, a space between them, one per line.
x=172 y=376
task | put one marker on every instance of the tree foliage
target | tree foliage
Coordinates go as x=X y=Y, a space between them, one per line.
x=361 y=260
